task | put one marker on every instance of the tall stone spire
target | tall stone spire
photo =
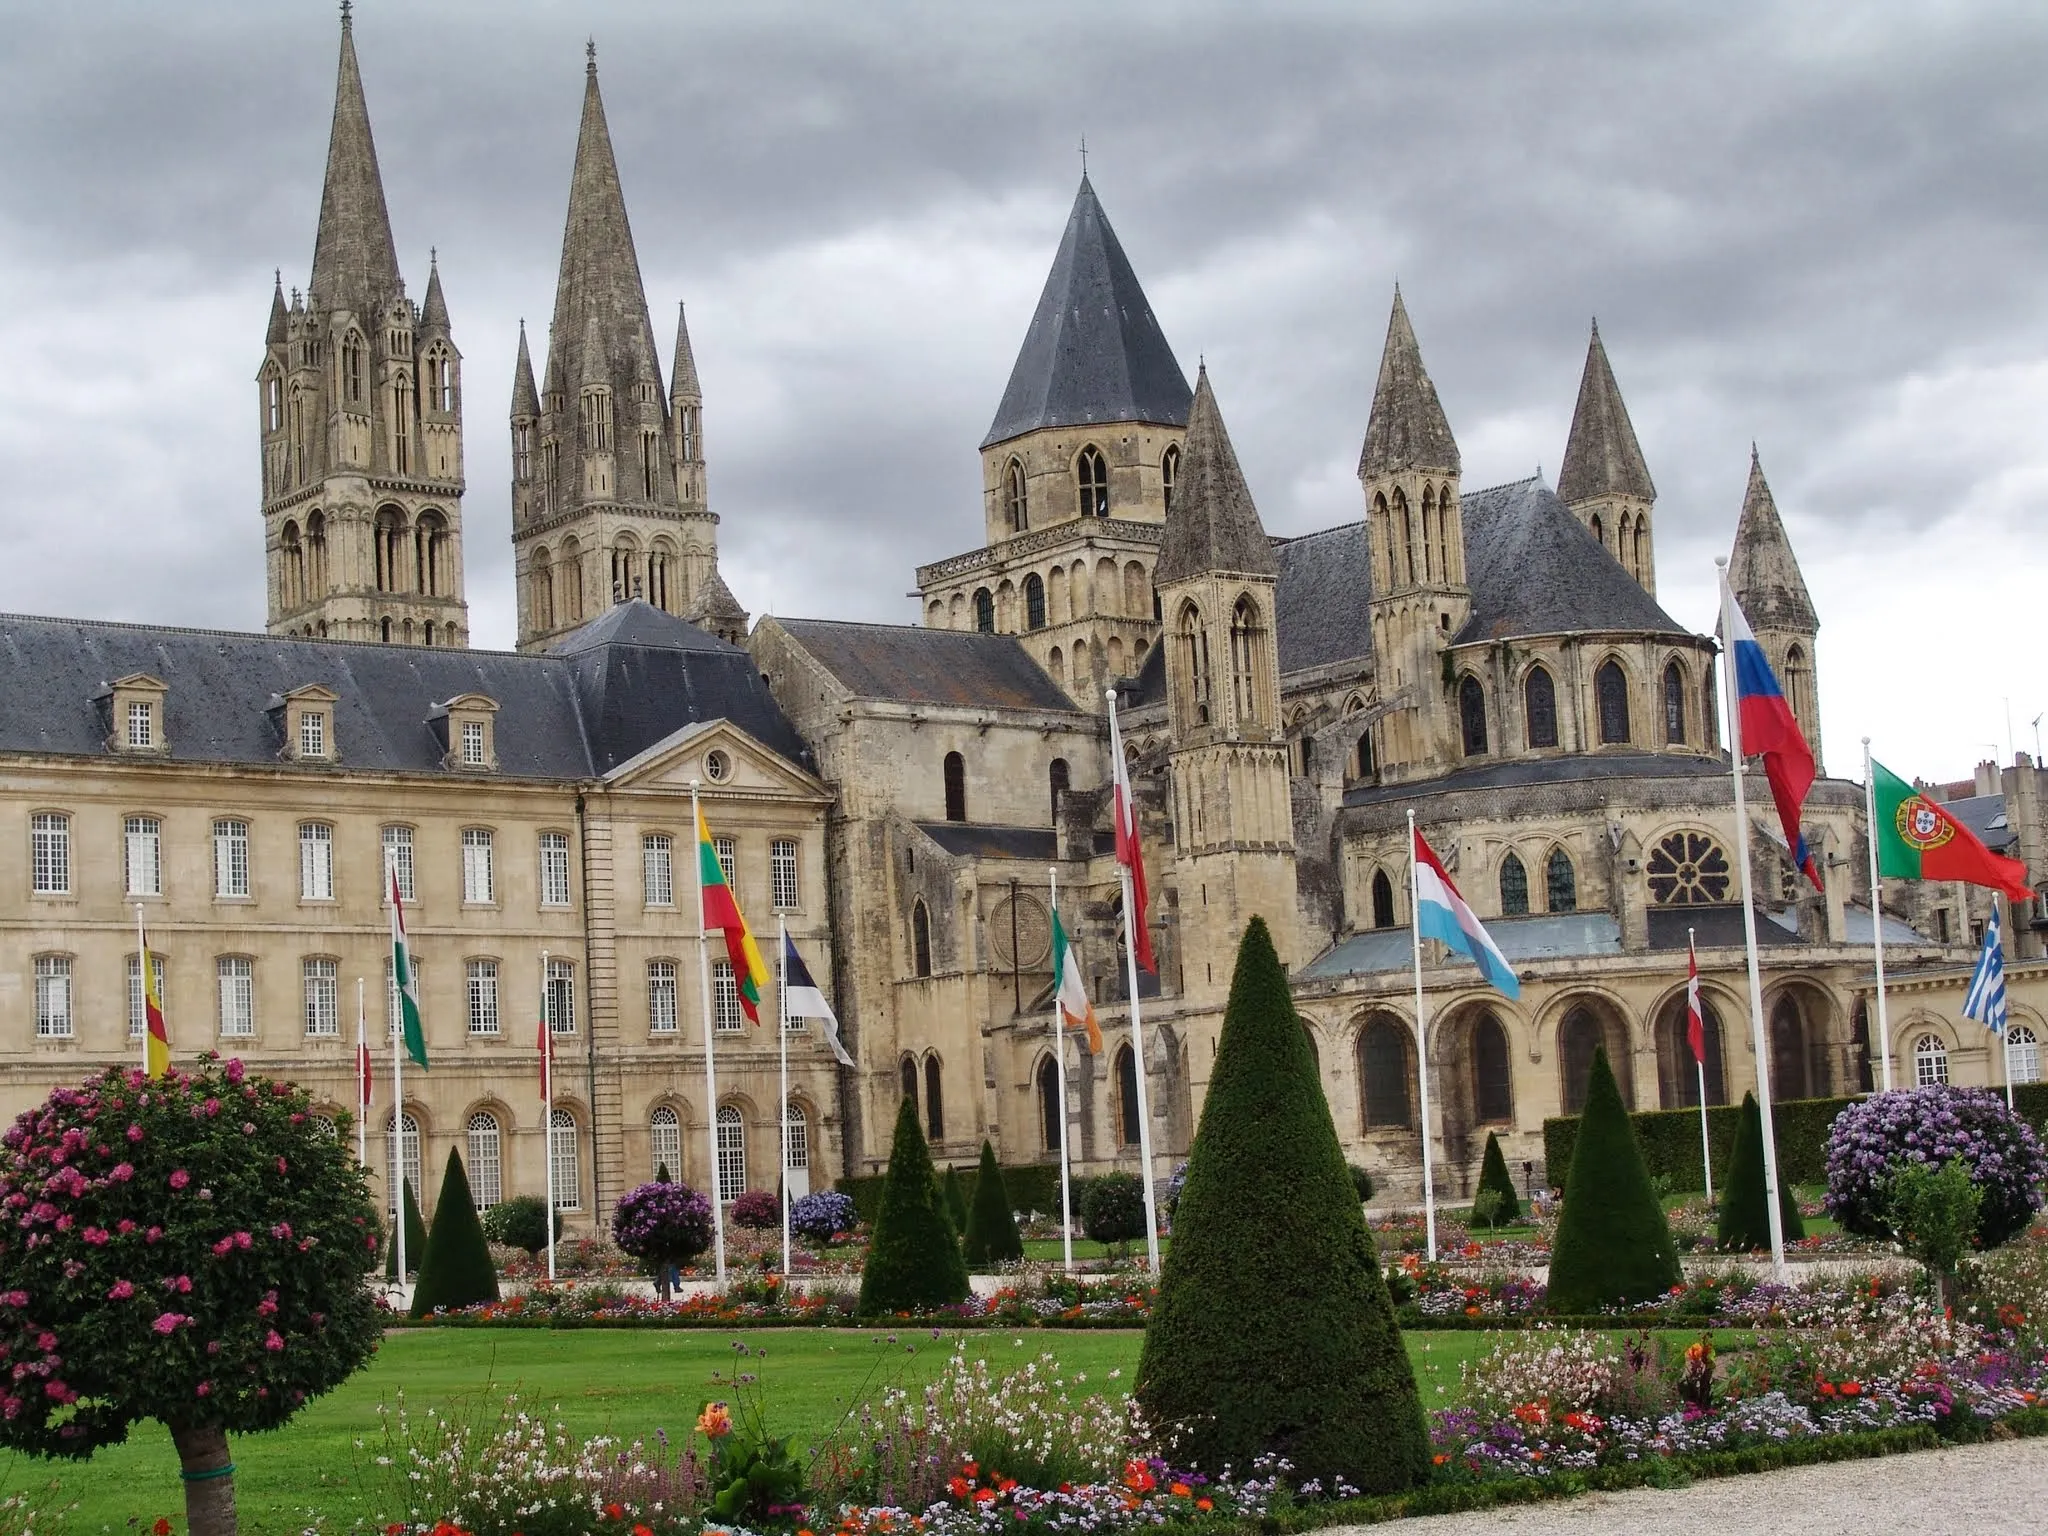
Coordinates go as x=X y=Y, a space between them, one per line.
x=355 y=264
x=1213 y=525
x=1762 y=570
x=1407 y=432
x=434 y=312
x=525 y=398
x=1604 y=479
x=686 y=423
x=683 y=377
x=278 y=331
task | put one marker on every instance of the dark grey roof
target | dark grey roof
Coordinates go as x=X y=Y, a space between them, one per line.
x=355 y=265
x=1323 y=598
x=1535 y=570
x=609 y=692
x=640 y=623
x=1094 y=352
x=928 y=666
x=1715 y=927
x=964 y=839
x=1762 y=571
x=1213 y=525
x=1546 y=937
x=1149 y=686
x=1518 y=772
x=1602 y=456
x=1407 y=429
x=1986 y=819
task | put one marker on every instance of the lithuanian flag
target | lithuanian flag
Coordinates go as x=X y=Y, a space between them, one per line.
x=749 y=971
x=1918 y=840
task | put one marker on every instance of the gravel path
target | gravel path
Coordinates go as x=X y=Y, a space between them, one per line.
x=1977 y=1488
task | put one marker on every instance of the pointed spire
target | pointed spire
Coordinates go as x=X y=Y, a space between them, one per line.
x=1762 y=570
x=1602 y=457
x=683 y=383
x=715 y=604
x=525 y=399
x=280 y=322
x=1407 y=430
x=1094 y=352
x=434 y=312
x=355 y=265
x=1213 y=526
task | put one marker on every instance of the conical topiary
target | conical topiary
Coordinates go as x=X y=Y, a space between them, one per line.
x=415 y=1235
x=1273 y=1332
x=992 y=1236
x=1493 y=1174
x=1613 y=1245
x=1745 y=1222
x=955 y=1198
x=457 y=1270
x=914 y=1261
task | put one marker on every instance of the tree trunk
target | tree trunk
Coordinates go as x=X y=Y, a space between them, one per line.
x=209 y=1479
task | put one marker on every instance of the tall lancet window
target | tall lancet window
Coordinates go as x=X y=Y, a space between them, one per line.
x=1016 y=498
x=1091 y=477
x=1169 y=475
x=1244 y=650
x=1194 y=645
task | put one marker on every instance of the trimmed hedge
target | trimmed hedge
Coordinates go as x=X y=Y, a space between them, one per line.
x=914 y=1261
x=1493 y=1174
x=991 y=1236
x=1745 y=1211
x=1613 y=1245
x=456 y=1270
x=1031 y=1187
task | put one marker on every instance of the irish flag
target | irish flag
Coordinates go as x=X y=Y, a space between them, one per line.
x=1918 y=840
x=1069 y=992
x=1441 y=914
x=157 y=1039
x=749 y=971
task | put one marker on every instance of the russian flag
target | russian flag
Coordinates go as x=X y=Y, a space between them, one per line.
x=1765 y=728
x=1441 y=914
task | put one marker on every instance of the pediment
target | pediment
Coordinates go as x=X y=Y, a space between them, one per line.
x=700 y=751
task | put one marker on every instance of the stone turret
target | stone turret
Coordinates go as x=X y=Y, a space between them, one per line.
x=1764 y=575
x=1604 y=479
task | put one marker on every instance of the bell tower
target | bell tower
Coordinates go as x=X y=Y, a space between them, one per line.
x=1764 y=575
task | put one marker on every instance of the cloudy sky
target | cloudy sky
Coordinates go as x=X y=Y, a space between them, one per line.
x=1821 y=228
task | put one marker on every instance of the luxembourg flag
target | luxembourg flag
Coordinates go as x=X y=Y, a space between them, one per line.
x=1441 y=914
x=1766 y=728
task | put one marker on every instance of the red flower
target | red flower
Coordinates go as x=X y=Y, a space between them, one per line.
x=614 y=1512
x=161 y=1528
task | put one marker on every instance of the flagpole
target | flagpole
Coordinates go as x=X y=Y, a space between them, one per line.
x=1059 y=1056
x=1758 y=1040
x=2005 y=1023
x=782 y=1040
x=1700 y=1065
x=362 y=1097
x=710 y=1067
x=396 y=1173
x=547 y=1114
x=1421 y=1045
x=1884 y=1033
x=142 y=980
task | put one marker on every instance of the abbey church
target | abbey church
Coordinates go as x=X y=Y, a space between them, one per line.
x=901 y=798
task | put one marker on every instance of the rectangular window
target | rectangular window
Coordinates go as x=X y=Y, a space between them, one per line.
x=728 y=860
x=53 y=997
x=398 y=856
x=477 y=886
x=313 y=733
x=726 y=1017
x=554 y=869
x=144 y=850
x=237 y=975
x=483 y=997
x=472 y=744
x=559 y=1005
x=657 y=869
x=231 y=858
x=138 y=1006
x=50 y=849
x=316 y=861
x=782 y=873
x=661 y=997
x=323 y=997
x=141 y=725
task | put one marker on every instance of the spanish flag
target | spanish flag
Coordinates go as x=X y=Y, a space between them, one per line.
x=749 y=970
x=157 y=1040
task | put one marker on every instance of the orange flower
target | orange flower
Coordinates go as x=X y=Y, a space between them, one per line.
x=958 y=1487
x=714 y=1423
x=1440 y=1458
x=1180 y=1490
x=984 y=1495
x=1204 y=1505
x=1138 y=1477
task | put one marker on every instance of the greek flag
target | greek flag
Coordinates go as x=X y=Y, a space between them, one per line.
x=1985 y=1001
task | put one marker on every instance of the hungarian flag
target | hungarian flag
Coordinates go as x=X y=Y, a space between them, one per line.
x=158 y=1039
x=1695 y=1022
x=749 y=971
x=546 y=1042
x=1124 y=811
x=1767 y=728
x=1069 y=992
x=1918 y=840
x=404 y=984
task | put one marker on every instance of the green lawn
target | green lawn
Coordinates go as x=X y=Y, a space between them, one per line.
x=1049 y=1249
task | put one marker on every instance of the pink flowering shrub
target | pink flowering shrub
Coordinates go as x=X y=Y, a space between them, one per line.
x=190 y=1249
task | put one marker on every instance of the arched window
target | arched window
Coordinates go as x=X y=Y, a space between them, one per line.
x=1057 y=778
x=430 y=542
x=920 y=939
x=796 y=1138
x=1126 y=1096
x=1056 y=666
x=1406 y=522
x=1137 y=585
x=1930 y=1062
x=405 y=1160
x=1679 y=1071
x=1791 y=1077
x=1034 y=601
x=956 y=787
x=1366 y=764
x=540 y=586
x=1674 y=704
x=1493 y=1084
x=1052 y=1117
x=1244 y=650
x=658 y=563
x=486 y=1166
x=984 y=611
x=565 y=1163
x=1382 y=900
x=1091 y=478
x=1169 y=475
x=665 y=1142
x=732 y=1152
x=1384 y=1071
x=1799 y=688
x=1688 y=869
x=1577 y=1038
x=906 y=1074
x=1539 y=708
x=1016 y=498
x=1640 y=552
x=1560 y=883
x=2022 y=1055
x=1472 y=715
x=1610 y=687
x=934 y=1099
x=384 y=629
x=1194 y=644
x=352 y=368
x=1514 y=887
x=1429 y=533
x=1599 y=533
x=390 y=549
x=291 y=568
x=316 y=555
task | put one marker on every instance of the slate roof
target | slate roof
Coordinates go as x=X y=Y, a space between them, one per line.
x=1602 y=456
x=1985 y=817
x=1407 y=429
x=1520 y=938
x=964 y=839
x=1213 y=525
x=605 y=694
x=912 y=665
x=1716 y=927
x=1518 y=772
x=1149 y=686
x=1322 y=598
x=1094 y=352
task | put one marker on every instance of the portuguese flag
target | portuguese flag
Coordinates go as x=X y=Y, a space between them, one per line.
x=1918 y=840
x=749 y=970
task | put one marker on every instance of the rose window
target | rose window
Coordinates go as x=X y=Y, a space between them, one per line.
x=1688 y=869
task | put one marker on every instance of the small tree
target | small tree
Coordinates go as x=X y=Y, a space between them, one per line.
x=1113 y=1208
x=1934 y=1211
x=823 y=1215
x=757 y=1209
x=1613 y=1244
x=1869 y=1142
x=1745 y=1219
x=521 y=1222
x=664 y=1226
x=992 y=1236
x=1273 y=1333
x=955 y=1197
x=415 y=1235
x=457 y=1270
x=914 y=1261
x=191 y=1249
x=1493 y=1174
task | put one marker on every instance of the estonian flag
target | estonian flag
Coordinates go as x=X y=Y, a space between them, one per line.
x=802 y=999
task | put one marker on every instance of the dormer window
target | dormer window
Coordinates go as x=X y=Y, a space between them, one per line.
x=307 y=724
x=313 y=733
x=135 y=714
x=466 y=726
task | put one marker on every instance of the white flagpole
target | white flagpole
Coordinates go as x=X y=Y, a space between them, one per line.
x=362 y=1099
x=1421 y=1045
x=1761 y=1044
x=1884 y=1033
x=547 y=1114
x=1706 y=1147
x=1059 y=1056
x=710 y=1067
x=142 y=981
x=396 y=1173
x=782 y=1015
x=2004 y=1030
x=1132 y=920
